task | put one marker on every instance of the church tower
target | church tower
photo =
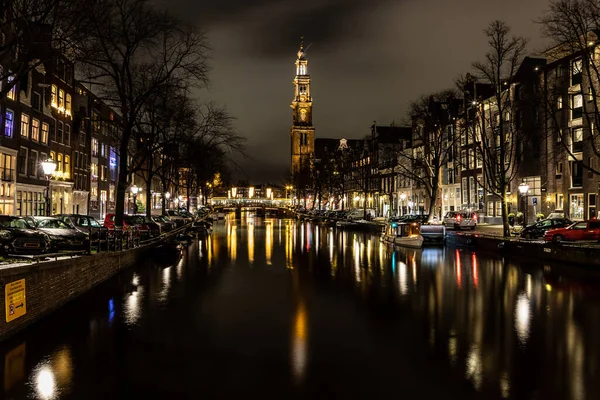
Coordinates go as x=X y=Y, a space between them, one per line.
x=303 y=131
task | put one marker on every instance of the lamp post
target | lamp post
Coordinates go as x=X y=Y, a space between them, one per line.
x=135 y=190
x=167 y=197
x=523 y=189
x=49 y=166
x=402 y=198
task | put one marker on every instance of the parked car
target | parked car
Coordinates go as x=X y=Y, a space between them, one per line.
x=166 y=225
x=62 y=236
x=17 y=236
x=176 y=217
x=155 y=228
x=461 y=220
x=584 y=230
x=85 y=224
x=109 y=223
x=143 y=228
x=538 y=229
x=359 y=214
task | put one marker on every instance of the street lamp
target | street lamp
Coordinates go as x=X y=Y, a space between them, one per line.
x=135 y=190
x=49 y=166
x=167 y=197
x=523 y=189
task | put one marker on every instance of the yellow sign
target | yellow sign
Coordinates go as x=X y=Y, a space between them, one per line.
x=15 y=301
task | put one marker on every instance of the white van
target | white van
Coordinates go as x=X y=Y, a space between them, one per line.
x=359 y=214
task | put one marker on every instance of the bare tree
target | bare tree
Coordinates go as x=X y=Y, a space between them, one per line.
x=130 y=49
x=433 y=120
x=497 y=139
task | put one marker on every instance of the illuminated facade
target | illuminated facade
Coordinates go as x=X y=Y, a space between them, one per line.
x=302 y=132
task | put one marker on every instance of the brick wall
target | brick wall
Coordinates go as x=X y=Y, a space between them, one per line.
x=49 y=285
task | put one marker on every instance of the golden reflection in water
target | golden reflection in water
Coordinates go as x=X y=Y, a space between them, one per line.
x=414 y=267
x=166 y=284
x=14 y=366
x=522 y=317
x=299 y=348
x=290 y=233
x=132 y=305
x=45 y=383
x=251 y=242
x=402 y=278
x=369 y=250
x=269 y=241
x=232 y=242
x=179 y=268
x=381 y=263
x=317 y=240
x=505 y=385
x=458 y=269
x=575 y=354
x=356 y=248
x=301 y=238
x=475 y=267
x=330 y=243
x=52 y=378
x=452 y=349
x=474 y=368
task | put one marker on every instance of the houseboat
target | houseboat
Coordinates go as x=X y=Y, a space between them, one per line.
x=406 y=234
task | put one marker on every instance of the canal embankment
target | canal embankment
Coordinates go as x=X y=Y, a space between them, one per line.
x=33 y=290
x=582 y=254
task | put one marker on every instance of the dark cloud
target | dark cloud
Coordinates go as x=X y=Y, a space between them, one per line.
x=368 y=60
x=271 y=27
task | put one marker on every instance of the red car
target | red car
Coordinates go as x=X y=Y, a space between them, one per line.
x=584 y=230
x=109 y=222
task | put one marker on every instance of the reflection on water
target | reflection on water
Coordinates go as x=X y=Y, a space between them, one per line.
x=269 y=240
x=250 y=241
x=51 y=378
x=504 y=331
x=132 y=303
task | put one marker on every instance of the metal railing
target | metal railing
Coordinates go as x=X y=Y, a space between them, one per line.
x=103 y=240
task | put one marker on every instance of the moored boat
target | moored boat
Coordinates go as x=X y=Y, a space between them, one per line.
x=407 y=234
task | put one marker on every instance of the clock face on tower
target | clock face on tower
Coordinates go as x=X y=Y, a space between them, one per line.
x=303 y=114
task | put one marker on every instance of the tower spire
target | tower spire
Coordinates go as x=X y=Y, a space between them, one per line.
x=303 y=131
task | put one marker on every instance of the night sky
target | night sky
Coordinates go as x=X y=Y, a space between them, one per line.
x=368 y=60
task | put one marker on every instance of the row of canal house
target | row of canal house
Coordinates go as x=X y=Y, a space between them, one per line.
x=48 y=114
x=558 y=129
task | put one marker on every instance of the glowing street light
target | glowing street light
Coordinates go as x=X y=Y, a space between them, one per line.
x=135 y=190
x=49 y=166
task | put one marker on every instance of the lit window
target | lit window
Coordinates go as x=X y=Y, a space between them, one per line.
x=54 y=97
x=45 y=129
x=95 y=147
x=53 y=155
x=577 y=101
x=59 y=160
x=577 y=66
x=61 y=100
x=68 y=105
x=12 y=93
x=8 y=123
x=559 y=102
x=67 y=169
x=24 y=125
x=35 y=129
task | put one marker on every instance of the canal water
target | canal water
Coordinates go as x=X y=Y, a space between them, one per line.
x=283 y=309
